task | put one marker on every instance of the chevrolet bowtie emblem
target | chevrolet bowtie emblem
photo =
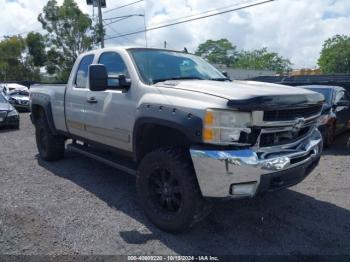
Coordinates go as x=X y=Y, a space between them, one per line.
x=298 y=124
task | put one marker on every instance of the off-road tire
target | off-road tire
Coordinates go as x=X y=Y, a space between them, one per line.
x=51 y=147
x=179 y=165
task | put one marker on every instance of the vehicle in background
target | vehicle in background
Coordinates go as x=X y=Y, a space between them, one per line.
x=178 y=124
x=6 y=88
x=19 y=99
x=335 y=112
x=9 y=116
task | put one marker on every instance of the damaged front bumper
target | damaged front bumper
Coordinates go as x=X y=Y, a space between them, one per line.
x=246 y=173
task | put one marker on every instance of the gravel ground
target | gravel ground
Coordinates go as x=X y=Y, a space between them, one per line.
x=79 y=206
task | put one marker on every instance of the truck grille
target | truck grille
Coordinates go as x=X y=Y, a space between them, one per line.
x=291 y=114
x=280 y=138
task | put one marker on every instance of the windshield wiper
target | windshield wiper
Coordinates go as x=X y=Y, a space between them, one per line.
x=177 y=78
x=223 y=79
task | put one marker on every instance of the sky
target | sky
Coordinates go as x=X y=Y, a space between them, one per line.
x=294 y=28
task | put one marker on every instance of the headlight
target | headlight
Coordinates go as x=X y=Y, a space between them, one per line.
x=12 y=113
x=323 y=120
x=225 y=126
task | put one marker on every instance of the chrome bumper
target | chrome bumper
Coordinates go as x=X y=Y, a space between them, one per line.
x=238 y=173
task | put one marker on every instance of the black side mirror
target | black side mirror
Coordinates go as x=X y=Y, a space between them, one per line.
x=98 y=78
x=225 y=74
x=124 y=82
x=343 y=103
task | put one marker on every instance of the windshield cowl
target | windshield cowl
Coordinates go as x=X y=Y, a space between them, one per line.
x=188 y=78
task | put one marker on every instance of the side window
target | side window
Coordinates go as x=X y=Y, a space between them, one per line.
x=83 y=70
x=115 y=66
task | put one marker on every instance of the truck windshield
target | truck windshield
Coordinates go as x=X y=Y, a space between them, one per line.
x=326 y=92
x=161 y=65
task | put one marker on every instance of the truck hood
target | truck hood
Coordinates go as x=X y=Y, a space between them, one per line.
x=249 y=95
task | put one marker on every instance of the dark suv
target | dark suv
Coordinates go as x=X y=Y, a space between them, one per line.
x=335 y=112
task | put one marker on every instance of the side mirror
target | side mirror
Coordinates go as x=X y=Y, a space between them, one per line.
x=98 y=78
x=225 y=74
x=343 y=103
x=124 y=82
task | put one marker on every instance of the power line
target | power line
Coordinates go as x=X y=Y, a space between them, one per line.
x=208 y=11
x=120 y=7
x=192 y=19
x=115 y=31
x=197 y=14
x=24 y=33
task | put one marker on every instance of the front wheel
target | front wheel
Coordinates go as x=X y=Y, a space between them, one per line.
x=50 y=146
x=168 y=190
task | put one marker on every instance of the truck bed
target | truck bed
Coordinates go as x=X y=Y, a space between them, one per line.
x=54 y=93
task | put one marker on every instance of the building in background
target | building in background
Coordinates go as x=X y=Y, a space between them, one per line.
x=305 y=71
x=241 y=74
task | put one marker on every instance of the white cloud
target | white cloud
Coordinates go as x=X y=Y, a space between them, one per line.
x=294 y=28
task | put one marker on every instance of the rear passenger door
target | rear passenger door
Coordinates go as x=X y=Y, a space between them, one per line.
x=76 y=98
x=110 y=114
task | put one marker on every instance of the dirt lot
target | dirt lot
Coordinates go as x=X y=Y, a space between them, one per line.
x=79 y=206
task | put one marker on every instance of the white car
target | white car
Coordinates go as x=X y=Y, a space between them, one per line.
x=19 y=99
x=6 y=88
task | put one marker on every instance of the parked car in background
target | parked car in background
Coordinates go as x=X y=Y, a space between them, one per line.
x=335 y=111
x=9 y=116
x=19 y=99
x=13 y=87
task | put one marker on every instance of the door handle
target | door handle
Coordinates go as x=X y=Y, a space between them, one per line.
x=92 y=100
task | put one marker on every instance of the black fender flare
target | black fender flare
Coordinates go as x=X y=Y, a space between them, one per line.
x=44 y=102
x=185 y=122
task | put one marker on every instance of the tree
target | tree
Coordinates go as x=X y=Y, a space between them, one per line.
x=15 y=64
x=36 y=48
x=218 y=52
x=261 y=59
x=70 y=33
x=335 y=55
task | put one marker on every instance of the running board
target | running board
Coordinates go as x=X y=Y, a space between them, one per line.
x=122 y=164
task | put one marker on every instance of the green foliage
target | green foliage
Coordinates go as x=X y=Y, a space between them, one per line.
x=261 y=59
x=335 y=55
x=217 y=52
x=36 y=48
x=224 y=52
x=70 y=33
x=14 y=63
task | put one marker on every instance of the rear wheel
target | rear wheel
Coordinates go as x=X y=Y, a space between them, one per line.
x=168 y=190
x=50 y=147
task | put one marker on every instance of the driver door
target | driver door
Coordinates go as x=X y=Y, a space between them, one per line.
x=110 y=114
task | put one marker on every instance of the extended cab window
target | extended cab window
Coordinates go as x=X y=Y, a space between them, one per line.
x=115 y=66
x=83 y=70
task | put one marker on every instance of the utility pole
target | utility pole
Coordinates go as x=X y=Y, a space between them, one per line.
x=99 y=4
x=101 y=23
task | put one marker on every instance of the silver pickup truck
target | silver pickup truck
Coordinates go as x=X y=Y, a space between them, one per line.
x=186 y=131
